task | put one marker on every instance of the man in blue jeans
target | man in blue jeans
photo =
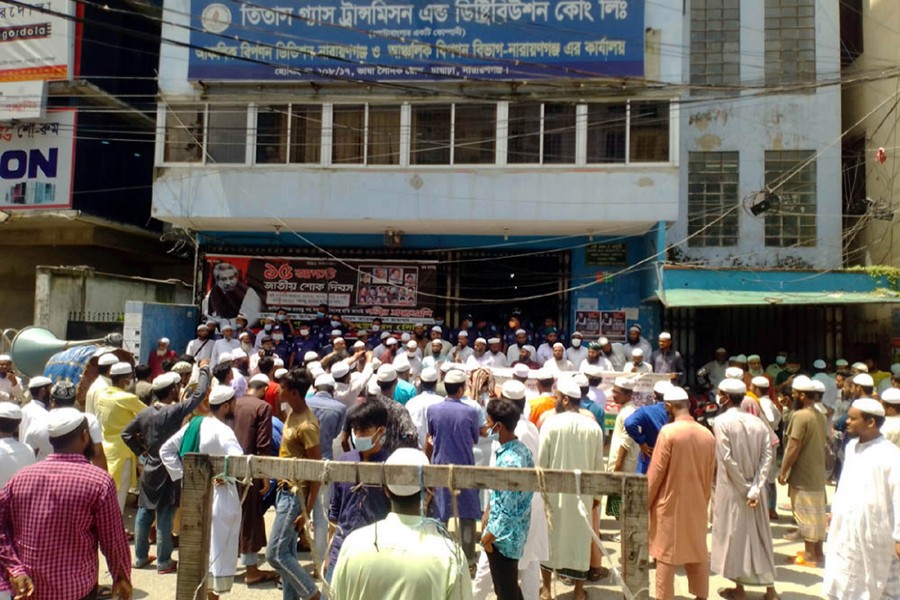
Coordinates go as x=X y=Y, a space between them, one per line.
x=300 y=439
x=159 y=494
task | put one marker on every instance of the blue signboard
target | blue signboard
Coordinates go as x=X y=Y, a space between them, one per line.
x=395 y=40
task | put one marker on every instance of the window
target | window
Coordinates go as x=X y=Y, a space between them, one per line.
x=715 y=42
x=271 y=134
x=349 y=134
x=430 y=144
x=475 y=132
x=606 y=129
x=184 y=133
x=851 y=30
x=649 y=132
x=791 y=219
x=306 y=133
x=559 y=134
x=790 y=41
x=712 y=193
x=384 y=135
x=524 y=145
x=226 y=140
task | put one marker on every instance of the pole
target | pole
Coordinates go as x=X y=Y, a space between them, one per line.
x=196 y=520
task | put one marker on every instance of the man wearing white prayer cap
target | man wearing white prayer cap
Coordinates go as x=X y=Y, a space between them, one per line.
x=558 y=362
x=496 y=356
x=418 y=405
x=863 y=550
x=163 y=353
x=15 y=454
x=212 y=435
x=623 y=451
x=224 y=346
x=461 y=351
x=9 y=383
x=668 y=360
x=637 y=364
x=829 y=390
x=863 y=385
x=644 y=424
x=34 y=414
x=715 y=369
x=513 y=349
x=891 y=428
x=104 y=364
x=577 y=352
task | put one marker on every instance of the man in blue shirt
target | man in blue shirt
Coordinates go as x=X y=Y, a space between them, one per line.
x=506 y=521
x=644 y=424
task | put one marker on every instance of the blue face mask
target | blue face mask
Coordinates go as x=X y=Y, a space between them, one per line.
x=363 y=443
x=780 y=360
x=319 y=315
x=335 y=323
x=494 y=436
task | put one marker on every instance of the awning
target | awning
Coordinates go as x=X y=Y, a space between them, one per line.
x=704 y=298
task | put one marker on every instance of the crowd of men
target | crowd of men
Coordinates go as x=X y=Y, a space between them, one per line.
x=472 y=396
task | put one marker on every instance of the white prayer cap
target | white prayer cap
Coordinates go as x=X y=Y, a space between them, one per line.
x=238 y=354
x=314 y=365
x=448 y=366
x=336 y=333
x=202 y=327
x=386 y=374
x=741 y=358
x=864 y=380
x=437 y=342
x=481 y=340
x=406 y=456
x=841 y=362
x=895 y=369
x=405 y=337
x=592 y=370
x=665 y=335
x=513 y=390
x=493 y=340
x=437 y=329
x=225 y=357
x=675 y=394
x=891 y=396
x=324 y=380
x=463 y=333
x=228 y=326
x=10 y=410
x=559 y=345
x=385 y=335
x=220 y=395
x=340 y=369
x=310 y=356
x=543 y=375
x=258 y=379
x=429 y=375
x=362 y=332
x=279 y=373
x=279 y=362
x=603 y=341
x=412 y=345
x=870 y=406
x=61 y=421
x=391 y=341
x=39 y=382
x=529 y=348
x=720 y=350
x=5 y=358
x=760 y=382
x=733 y=387
x=163 y=340
x=244 y=334
x=568 y=387
x=455 y=376
x=521 y=370
x=819 y=364
x=419 y=325
x=818 y=386
x=359 y=344
x=521 y=332
x=372 y=387
x=802 y=383
x=120 y=368
x=107 y=359
x=861 y=367
x=581 y=379
x=182 y=367
x=753 y=357
x=577 y=334
x=625 y=383
x=734 y=373
x=401 y=365
x=637 y=352
x=165 y=380
x=661 y=387
x=337 y=340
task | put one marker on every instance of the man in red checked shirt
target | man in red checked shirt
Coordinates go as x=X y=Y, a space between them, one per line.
x=54 y=514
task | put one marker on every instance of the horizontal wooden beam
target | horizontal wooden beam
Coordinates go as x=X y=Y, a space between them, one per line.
x=488 y=478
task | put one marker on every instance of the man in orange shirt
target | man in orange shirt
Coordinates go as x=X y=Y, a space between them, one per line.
x=546 y=400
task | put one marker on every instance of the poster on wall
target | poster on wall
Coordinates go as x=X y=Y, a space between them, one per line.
x=396 y=291
x=612 y=325
x=37 y=38
x=588 y=323
x=36 y=160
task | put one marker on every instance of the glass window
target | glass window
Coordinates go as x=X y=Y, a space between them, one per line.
x=430 y=143
x=524 y=143
x=184 y=133
x=348 y=139
x=384 y=135
x=475 y=131
x=712 y=198
x=791 y=218
x=649 y=131
x=227 y=134
x=790 y=41
x=606 y=133
x=272 y=134
x=715 y=42
x=559 y=133
x=306 y=133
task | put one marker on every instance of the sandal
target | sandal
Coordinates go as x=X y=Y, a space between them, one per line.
x=727 y=593
x=598 y=573
x=264 y=577
x=104 y=591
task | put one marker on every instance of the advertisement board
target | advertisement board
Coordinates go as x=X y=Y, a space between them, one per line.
x=396 y=291
x=36 y=162
x=384 y=40
x=35 y=43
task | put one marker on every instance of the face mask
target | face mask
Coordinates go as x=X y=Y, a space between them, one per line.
x=494 y=436
x=576 y=343
x=280 y=317
x=278 y=338
x=319 y=315
x=376 y=327
x=363 y=444
x=780 y=360
x=267 y=327
x=335 y=323
x=304 y=332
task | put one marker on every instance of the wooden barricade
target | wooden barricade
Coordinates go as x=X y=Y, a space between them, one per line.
x=199 y=470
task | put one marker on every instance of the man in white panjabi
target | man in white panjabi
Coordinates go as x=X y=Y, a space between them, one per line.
x=104 y=364
x=212 y=435
x=862 y=558
x=890 y=398
x=741 y=532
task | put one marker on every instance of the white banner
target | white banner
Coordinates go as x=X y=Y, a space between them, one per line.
x=36 y=161
x=37 y=41
x=23 y=100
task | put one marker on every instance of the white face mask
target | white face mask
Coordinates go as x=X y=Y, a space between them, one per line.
x=278 y=338
x=304 y=332
x=576 y=343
